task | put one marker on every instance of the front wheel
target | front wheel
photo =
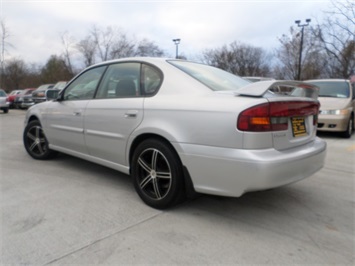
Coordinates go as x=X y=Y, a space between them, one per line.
x=35 y=141
x=349 y=131
x=157 y=174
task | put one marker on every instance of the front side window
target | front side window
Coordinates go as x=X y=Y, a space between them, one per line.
x=84 y=87
x=121 y=80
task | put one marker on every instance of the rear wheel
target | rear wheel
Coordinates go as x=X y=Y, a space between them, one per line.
x=35 y=141
x=6 y=110
x=350 y=128
x=157 y=174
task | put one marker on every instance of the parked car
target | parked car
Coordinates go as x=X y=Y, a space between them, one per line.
x=12 y=97
x=60 y=85
x=24 y=99
x=4 y=101
x=39 y=95
x=179 y=127
x=337 y=99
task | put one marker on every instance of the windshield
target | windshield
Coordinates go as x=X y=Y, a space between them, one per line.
x=2 y=93
x=336 y=89
x=214 y=78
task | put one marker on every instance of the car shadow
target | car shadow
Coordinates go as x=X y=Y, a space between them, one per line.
x=87 y=171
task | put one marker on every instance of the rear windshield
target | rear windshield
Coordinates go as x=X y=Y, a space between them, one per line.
x=214 y=78
x=335 y=89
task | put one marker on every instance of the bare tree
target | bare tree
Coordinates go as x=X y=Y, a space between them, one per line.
x=148 y=48
x=68 y=42
x=5 y=34
x=337 y=36
x=288 y=56
x=104 y=39
x=238 y=58
x=87 y=47
x=122 y=46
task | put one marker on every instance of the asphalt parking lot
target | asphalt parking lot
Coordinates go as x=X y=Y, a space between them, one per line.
x=69 y=211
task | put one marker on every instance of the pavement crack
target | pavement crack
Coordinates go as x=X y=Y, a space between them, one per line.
x=102 y=239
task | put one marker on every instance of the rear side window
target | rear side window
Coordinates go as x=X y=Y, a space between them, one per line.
x=151 y=79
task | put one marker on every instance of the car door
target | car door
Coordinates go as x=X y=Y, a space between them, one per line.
x=116 y=111
x=65 y=117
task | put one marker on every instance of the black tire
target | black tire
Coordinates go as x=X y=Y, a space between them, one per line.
x=350 y=129
x=6 y=110
x=36 y=143
x=157 y=174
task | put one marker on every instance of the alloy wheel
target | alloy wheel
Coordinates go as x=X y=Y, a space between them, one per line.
x=154 y=174
x=36 y=141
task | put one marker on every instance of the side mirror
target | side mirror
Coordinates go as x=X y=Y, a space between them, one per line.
x=52 y=94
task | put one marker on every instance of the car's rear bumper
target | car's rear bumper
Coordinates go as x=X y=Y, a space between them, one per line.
x=333 y=123
x=232 y=172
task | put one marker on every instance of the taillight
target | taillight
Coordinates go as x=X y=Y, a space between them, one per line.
x=274 y=116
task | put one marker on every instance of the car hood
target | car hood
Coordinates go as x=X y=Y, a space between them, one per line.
x=332 y=103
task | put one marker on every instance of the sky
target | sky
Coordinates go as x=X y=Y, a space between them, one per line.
x=35 y=26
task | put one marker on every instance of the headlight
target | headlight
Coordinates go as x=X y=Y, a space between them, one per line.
x=334 y=112
x=20 y=99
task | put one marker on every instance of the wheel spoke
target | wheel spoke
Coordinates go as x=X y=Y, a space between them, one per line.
x=38 y=132
x=40 y=148
x=30 y=136
x=146 y=181
x=144 y=165
x=166 y=175
x=154 y=159
x=34 y=144
x=156 y=188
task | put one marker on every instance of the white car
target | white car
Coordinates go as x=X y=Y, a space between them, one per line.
x=337 y=99
x=4 y=101
x=178 y=127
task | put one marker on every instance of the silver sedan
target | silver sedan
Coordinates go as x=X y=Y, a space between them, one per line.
x=179 y=127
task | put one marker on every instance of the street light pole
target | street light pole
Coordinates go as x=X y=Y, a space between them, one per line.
x=298 y=22
x=177 y=42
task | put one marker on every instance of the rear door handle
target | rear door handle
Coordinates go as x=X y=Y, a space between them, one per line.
x=131 y=114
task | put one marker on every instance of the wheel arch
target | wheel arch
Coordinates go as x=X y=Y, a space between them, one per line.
x=139 y=139
x=33 y=118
